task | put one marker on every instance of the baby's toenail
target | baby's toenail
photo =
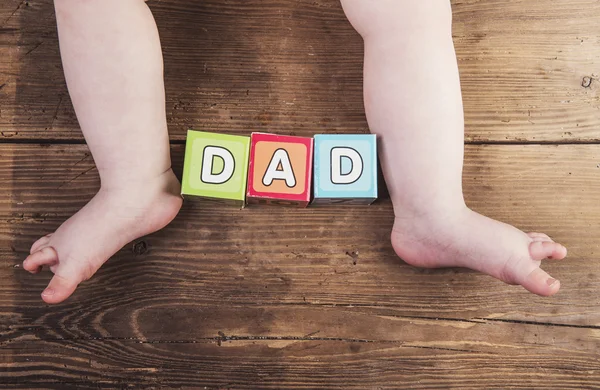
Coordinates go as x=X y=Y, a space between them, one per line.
x=48 y=292
x=551 y=281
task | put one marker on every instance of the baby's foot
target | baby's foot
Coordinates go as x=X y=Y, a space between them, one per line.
x=114 y=217
x=467 y=239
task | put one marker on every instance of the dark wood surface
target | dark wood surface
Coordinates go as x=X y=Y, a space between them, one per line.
x=294 y=67
x=315 y=298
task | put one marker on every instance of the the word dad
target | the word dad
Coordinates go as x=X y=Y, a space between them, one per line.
x=276 y=169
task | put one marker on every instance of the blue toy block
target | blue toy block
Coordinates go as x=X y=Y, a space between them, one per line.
x=345 y=169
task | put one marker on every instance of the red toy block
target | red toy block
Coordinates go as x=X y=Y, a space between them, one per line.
x=280 y=170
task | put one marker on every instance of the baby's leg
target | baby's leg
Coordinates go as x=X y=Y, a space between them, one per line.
x=413 y=102
x=113 y=65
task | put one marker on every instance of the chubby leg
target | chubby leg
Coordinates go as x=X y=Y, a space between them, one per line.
x=113 y=65
x=413 y=103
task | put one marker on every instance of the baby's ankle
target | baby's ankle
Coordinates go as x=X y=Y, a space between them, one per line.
x=164 y=181
x=430 y=210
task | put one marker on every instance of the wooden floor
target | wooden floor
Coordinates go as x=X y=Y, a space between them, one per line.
x=316 y=298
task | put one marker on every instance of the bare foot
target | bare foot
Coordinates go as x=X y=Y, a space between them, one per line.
x=467 y=239
x=114 y=217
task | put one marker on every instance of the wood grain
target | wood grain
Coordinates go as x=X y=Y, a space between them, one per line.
x=315 y=298
x=529 y=69
x=287 y=298
x=544 y=358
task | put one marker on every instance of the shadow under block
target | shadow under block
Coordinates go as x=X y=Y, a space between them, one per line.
x=280 y=170
x=216 y=166
x=345 y=167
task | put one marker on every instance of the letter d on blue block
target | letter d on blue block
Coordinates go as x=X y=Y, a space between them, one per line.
x=345 y=169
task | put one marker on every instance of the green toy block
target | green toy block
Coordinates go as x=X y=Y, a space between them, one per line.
x=216 y=166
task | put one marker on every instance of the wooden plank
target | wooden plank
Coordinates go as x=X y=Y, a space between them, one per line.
x=328 y=256
x=193 y=349
x=294 y=67
x=525 y=68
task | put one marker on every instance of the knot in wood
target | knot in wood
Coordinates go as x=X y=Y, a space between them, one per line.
x=587 y=82
x=139 y=248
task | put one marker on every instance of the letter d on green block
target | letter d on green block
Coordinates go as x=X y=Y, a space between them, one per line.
x=216 y=166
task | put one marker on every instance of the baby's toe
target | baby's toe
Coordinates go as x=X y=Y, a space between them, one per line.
x=540 y=283
x=541 y=250
x=59 y=289
x=35 y=261
x=539 y=237
x=39 y=244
